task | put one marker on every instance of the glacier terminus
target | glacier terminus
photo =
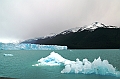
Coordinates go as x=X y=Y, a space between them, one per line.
x=12 y=46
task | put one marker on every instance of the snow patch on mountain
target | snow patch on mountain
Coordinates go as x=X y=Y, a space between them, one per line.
x=70 y=30
x=50 y=35
x=96 y=25
x=93 y=26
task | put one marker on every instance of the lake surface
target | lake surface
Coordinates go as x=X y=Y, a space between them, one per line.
x=20 y=64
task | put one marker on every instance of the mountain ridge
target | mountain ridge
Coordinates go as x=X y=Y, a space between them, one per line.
x=94 y=36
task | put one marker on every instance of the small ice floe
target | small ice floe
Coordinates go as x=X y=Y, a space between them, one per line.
x=8 y=54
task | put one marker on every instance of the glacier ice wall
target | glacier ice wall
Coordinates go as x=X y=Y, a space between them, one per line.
x=11 y=46
x=85 y=67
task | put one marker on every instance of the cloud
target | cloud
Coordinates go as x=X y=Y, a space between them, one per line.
x=25 y=19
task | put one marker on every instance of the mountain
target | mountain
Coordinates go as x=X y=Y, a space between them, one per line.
x=94 y=36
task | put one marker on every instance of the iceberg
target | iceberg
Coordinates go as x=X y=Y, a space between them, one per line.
x=83 y=67
x=96 y=67
x=23 y=46
x=8 y=54
x=54 y=59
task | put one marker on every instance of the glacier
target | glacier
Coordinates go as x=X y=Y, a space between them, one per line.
x=83 y=67
x=23 y=46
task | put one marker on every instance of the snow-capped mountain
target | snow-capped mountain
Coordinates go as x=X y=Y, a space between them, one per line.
x=96 y=25
x=87 y=37
x=91 y=27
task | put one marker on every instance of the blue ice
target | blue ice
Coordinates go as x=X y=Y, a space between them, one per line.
x=11 y=46
x=85 y=67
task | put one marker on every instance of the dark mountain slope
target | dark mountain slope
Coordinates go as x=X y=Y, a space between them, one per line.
x=99 y=38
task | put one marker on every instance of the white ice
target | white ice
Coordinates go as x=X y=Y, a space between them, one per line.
x=85 y=67
x=54 y=59
x=11 y=46
x=8 y=54
x=96 y=67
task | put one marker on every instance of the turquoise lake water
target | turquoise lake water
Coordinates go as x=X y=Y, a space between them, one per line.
x=20 y=64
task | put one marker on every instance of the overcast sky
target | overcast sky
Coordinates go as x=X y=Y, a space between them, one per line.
x=24 y=19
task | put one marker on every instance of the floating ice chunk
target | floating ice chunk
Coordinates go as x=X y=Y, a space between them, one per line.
x=96 y=67
x=53 y=59
x=86 y=67
x=8 y=54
